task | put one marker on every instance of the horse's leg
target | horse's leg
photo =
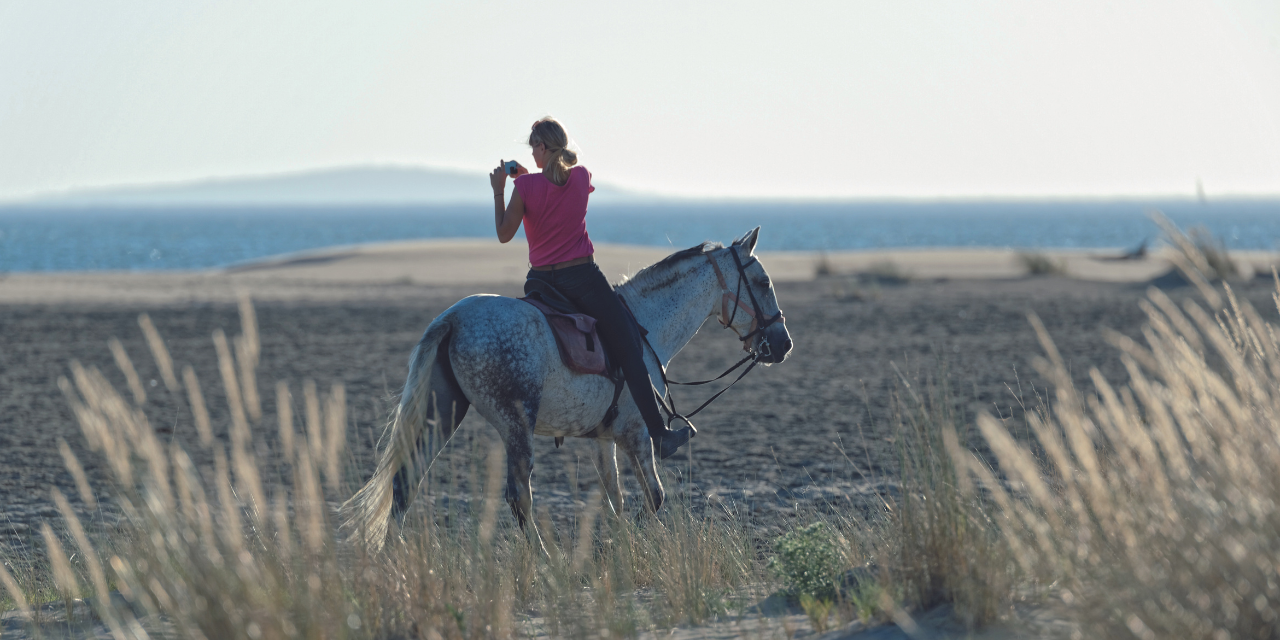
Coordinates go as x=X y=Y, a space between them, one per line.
x=448 y=406
x=519 y=441
x=514 y=424
x=607 y=467
x=520 y=475
x=634 y=439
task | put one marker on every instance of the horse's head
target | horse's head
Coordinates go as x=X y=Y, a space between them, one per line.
x=748 y=305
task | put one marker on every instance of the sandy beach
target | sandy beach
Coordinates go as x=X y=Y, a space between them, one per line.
x=392 y=271
x=812 y=433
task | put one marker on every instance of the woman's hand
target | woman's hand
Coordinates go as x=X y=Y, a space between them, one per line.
x=498 y=179
x=520 y=170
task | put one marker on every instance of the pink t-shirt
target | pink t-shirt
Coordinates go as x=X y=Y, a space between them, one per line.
x=555 y=217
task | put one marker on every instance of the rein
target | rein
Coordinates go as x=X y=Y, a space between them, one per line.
x=669 y=406
x=754 y=312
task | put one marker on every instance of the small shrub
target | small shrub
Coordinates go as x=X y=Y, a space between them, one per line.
x=886 y=272
x=808 y=561
x=822 y=266
x=1038 y=264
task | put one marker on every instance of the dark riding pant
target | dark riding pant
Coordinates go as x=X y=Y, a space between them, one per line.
x=587 y=288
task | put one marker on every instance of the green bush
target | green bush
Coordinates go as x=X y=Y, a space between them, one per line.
x=808 y=561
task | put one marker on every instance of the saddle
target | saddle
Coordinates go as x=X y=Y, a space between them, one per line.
x=576 y=337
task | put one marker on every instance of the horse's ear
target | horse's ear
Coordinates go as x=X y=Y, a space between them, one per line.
x=748 y=240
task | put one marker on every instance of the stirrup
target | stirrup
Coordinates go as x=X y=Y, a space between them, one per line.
x=688 y=423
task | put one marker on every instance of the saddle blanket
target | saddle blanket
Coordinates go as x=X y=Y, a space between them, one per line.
x=580 y=347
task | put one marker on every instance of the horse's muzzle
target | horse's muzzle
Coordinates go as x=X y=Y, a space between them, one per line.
x=774 y=344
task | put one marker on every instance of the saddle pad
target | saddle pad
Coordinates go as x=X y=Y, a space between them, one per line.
x=575 y=333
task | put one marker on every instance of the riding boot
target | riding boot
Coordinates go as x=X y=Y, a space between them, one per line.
x=672 y=440
x=667 y=440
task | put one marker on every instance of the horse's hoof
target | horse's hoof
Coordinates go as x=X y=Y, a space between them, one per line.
x=672 y=441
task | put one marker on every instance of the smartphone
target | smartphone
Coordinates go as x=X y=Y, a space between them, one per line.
x=511 y=166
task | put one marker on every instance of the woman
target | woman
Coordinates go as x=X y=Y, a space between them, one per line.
x=553 y=206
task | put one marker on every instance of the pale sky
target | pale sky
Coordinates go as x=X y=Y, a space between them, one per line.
x=885 y=98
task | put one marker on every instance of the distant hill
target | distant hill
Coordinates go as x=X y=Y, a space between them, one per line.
x=380 y=185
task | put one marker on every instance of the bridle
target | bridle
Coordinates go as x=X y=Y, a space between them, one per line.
x=733 y=300
x=729 y=300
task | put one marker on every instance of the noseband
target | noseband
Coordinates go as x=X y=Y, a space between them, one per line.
x=733 y=300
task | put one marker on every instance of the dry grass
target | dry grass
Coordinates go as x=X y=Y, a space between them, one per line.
x=934 y=543
x=219 y=553
x=1155 y=506
x=947 y=551
x=1152 y=509
x=1200 y=256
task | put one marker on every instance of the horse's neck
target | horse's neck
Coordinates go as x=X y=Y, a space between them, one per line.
x=673 y=308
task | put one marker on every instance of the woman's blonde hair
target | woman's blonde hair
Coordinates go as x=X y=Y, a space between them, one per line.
x=551 y=135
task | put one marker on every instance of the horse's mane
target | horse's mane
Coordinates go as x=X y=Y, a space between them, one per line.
x=643 y=277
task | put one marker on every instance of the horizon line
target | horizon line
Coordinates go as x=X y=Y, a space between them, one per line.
x=49 y=198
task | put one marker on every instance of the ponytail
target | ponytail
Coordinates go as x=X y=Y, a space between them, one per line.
x=551 y=135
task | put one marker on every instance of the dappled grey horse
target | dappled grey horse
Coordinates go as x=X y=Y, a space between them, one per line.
x=499 y=355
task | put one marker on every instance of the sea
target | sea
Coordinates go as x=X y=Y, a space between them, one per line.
x=45 y=238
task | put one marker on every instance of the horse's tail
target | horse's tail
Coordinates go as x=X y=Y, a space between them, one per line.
x=365 y=516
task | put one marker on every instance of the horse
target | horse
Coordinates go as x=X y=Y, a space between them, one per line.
x=499 y=355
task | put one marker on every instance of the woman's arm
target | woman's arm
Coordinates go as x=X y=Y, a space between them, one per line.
x=506 y=220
